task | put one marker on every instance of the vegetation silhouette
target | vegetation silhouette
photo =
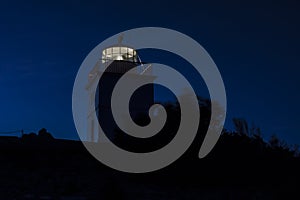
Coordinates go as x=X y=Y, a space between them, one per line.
x=243 y=165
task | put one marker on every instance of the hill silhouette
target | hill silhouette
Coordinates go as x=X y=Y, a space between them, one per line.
x=241 y=166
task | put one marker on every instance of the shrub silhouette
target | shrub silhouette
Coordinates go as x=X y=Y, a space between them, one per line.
x=242 y=165
x=45 y=135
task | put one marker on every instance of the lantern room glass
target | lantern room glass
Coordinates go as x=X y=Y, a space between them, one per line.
x=119 y=53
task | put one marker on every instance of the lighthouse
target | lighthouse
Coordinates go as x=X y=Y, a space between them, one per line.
x=114 y=62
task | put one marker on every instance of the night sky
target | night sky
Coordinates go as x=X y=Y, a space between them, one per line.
x=255 y=46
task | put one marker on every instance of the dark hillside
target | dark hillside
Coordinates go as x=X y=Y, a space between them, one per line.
x=240 y=167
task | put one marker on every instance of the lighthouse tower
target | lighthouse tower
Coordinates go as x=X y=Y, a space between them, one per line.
x=115 y=61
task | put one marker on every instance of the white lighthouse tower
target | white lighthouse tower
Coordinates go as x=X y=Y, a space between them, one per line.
x=114 y=62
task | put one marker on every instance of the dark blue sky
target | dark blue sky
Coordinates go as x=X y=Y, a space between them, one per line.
x=254 y=44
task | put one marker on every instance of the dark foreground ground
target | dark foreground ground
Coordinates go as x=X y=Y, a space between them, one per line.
x=238 y=168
